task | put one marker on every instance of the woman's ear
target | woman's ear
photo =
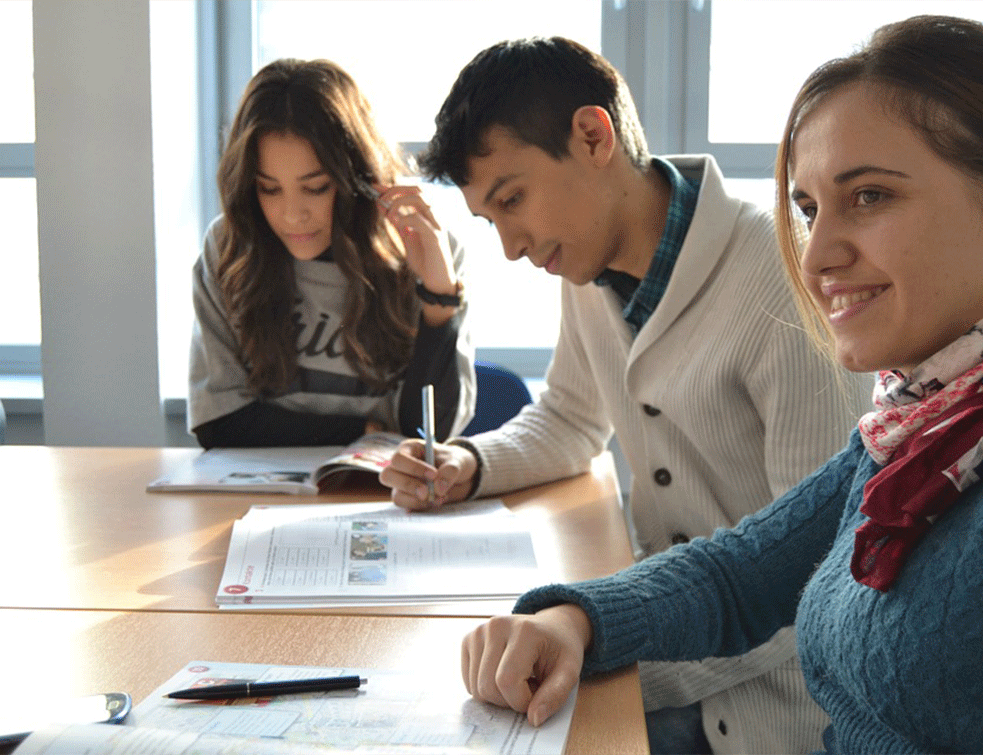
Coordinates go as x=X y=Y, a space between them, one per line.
x=592 y=134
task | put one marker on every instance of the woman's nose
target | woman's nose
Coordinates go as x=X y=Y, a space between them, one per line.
x=295 y=211
x=827 y=247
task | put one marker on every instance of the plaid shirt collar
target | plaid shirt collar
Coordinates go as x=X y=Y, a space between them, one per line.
x=639 y=298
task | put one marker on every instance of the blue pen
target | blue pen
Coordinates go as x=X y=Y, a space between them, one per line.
x=428 y=431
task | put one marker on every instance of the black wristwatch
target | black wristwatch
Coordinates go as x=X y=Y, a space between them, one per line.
x=444 y=300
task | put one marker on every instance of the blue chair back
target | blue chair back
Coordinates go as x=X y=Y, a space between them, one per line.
x=501 y=394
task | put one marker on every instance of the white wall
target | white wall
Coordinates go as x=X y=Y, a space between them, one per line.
x=96 y=224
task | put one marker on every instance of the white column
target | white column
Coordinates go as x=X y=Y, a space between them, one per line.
x=96 y=223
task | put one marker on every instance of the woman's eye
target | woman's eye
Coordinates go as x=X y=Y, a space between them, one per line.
x=868 y=197
x=318 y=190
x=808 y=213
x=268 y=190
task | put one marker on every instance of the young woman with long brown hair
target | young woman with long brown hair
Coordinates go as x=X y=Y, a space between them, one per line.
x=327 y=293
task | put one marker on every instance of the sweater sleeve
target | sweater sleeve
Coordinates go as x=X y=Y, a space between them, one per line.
x=262 y=424
x=720 y=596
x=557 y=435
x=217 y=377
x=443 y=357
x=433 y=363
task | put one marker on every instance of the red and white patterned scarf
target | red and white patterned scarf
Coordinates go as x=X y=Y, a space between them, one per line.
x=927 y=428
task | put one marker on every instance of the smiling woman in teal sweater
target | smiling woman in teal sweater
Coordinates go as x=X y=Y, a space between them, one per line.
x=876 y=557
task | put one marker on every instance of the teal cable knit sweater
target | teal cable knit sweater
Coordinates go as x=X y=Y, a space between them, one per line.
x=897 y=672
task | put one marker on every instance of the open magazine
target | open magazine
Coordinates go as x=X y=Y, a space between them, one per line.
x=376 y=553
x=296 y=470
x=394 y=712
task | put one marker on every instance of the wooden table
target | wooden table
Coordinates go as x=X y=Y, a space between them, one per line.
x=108 y=587
x=74 y=652
x=82 y=532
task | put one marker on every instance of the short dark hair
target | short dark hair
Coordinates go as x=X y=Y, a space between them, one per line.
x=532 y=87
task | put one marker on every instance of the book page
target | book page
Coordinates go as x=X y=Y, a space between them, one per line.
x=394 y=713
x=370 y=453
x=376 y=552
x=260 y=470
x=296 y=469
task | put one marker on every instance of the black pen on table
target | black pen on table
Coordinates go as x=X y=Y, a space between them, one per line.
x=268 y=689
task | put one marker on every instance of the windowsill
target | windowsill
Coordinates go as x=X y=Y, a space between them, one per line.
x=22 y=394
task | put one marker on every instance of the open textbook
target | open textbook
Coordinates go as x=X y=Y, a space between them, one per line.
x=375 y=553
x=297 y=470
x=394 y=713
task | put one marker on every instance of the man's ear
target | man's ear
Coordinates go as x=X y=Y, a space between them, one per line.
x=592 y=133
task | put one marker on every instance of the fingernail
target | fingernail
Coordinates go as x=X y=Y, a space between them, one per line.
x=535 y=716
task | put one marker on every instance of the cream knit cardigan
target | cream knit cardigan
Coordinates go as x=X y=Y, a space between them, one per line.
x=719 y=404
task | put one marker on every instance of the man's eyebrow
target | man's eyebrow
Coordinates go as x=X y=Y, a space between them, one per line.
x=848 y=175
x=497 y=184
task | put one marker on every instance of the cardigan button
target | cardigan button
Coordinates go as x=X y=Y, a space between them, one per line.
x=651 y=410
x=722 y=727
x=662 y=477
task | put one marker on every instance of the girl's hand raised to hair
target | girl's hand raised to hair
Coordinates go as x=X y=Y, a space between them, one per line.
x=529 y=663
x=428 y=251
x=408 y=474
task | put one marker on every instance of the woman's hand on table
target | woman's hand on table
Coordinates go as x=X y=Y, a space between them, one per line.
x=529 y=663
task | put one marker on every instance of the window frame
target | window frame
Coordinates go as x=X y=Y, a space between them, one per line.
x=634 y=34
x=20 y=360
x=227 y=42
x=660 y=46
x=736 y=159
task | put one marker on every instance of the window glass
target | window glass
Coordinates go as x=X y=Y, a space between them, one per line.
x=405 y=57
x=20 y=303
x=762 y=50
x=760 y=191
x=177 y=228
x=511 y=304
x=17 y=64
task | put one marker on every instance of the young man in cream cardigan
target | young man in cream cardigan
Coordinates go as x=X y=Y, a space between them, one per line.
x=677 y=334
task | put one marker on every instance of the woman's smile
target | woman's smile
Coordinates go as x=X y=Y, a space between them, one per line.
x=849 y=303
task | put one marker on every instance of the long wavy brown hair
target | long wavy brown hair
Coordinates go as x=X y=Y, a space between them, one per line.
x=316 y=101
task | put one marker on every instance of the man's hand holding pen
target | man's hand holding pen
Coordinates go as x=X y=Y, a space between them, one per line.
x=452 y=475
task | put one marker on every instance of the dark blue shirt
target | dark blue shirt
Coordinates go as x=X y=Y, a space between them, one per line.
x=639 y=298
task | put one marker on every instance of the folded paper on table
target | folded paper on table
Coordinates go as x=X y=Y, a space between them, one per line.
x=395 y=712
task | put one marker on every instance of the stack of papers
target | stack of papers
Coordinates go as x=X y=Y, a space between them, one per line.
x=394 y=713
x=332 y=555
